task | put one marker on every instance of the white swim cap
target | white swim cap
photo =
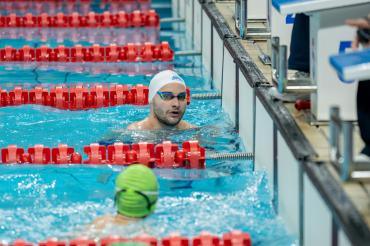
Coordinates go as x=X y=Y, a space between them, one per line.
x=161 y=79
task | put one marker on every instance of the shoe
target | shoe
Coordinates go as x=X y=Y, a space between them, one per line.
x=362 y=158
x=301 y=75
x=287 y=97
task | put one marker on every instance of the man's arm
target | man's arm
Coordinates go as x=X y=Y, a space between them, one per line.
x=362 y=23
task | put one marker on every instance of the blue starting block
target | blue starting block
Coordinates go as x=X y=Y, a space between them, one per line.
x=306 y=6
x=352 y=66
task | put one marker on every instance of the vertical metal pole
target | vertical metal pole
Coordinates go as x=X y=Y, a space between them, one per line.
x=243 y=18
x=212 y=48
x=283 y=68
x=334 y=232
x=275 y=43
x=192 y=22
x=254 y=127
x=348 y=150
x=301 y=204
x=201 y=29
x=237 y=97
x=237 y=15
x=275 y=199
x=334 y=134
x=178 y=8
x=269 y=6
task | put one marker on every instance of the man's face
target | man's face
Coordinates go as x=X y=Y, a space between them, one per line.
x=169 y=111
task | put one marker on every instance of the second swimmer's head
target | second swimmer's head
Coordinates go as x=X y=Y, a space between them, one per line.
x=136 y=191
x=167 y=96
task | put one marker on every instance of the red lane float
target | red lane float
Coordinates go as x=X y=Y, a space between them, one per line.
x=117 y=153
x=59 y=97
x=96 y=154
x=53 y=242
x=121 y=19
x=39 y=154
x=150 y=240
x=17 y=96
x=79 y=97
x=131 y=52
x=195 y=154
x=143 y=152
x=165 y=155
x=119 y=94
x=206 y=239
x=175 y=240
x=20 y=242
x=236 y=238
x=82 y=242
x=38 y=95
x=64 y=154
x=113 y=239
x=12 y=154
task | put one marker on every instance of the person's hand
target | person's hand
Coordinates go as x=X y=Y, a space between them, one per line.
x=358 y=23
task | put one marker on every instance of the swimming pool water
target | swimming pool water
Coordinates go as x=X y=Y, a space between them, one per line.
x=62 y=201
x=37 y=202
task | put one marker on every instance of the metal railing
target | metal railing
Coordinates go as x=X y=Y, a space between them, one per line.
x=341 y=152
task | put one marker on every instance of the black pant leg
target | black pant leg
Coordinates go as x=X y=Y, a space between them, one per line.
x=363 y=113
x=299 y=58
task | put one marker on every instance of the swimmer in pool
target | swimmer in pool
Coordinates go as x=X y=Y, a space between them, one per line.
x=135 y=198
x=167 y=99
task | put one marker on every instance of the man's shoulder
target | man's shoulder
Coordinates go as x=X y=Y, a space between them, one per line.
x=133 y=126
x=186 y=125
x=140 y=125
x=100 y=222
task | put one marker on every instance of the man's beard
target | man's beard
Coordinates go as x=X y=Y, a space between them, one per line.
x=165 y=122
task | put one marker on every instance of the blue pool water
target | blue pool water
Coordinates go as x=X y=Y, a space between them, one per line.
x=38 y=202
x=226 y=196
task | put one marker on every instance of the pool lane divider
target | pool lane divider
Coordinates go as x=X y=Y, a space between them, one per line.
x=132 y=52
x=80 y=97
x=77 y=1
x=103 y=36
x=164 y=155
x=121 y=19
x=233 y=238
x=84 y=98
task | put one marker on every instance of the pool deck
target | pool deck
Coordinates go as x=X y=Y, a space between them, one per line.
x=317 y=136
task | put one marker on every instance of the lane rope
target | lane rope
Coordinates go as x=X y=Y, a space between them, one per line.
x=232 y=238
x=147 y=52
x=121 y=19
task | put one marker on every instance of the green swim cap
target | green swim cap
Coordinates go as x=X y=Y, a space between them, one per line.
x=137 y=191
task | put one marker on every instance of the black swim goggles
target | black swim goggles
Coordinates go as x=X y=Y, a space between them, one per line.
x=167 y=95
x=144 y=194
